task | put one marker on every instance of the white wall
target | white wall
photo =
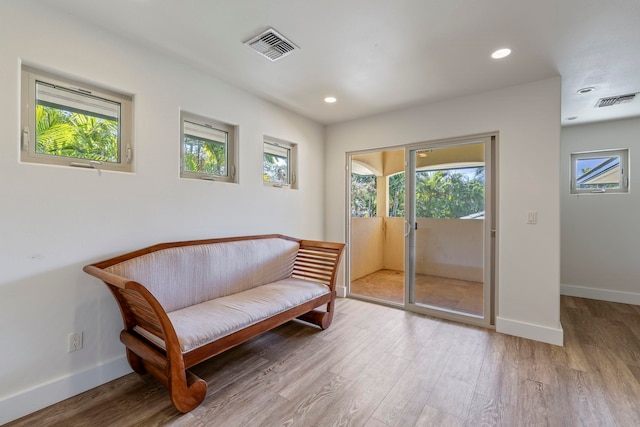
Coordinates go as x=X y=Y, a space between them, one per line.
x=528 y=120
x=600 y=232
x=54 y=220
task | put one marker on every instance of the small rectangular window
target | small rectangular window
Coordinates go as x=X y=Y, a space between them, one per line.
x=279 y=163
x=66 y=122
x=600 y=172
x=208 y=149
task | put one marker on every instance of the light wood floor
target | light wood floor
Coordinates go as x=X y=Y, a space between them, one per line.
x=377 y=366
x=452 y=294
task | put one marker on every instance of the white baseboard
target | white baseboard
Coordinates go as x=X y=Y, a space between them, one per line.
x=341 y=291
x=530 y=331
x=601 y=294
x=41 y=396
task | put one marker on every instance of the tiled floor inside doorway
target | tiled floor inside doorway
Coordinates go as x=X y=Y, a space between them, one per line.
x=451 y=294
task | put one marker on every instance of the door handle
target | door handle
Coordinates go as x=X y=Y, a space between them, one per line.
x=407 y=228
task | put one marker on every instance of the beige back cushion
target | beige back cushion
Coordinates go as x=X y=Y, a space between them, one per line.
x=188 y=275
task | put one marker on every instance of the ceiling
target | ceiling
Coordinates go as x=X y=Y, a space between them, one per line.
x=380 y=55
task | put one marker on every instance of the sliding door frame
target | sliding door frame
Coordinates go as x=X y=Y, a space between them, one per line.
x=491 y=240
x=490 y=244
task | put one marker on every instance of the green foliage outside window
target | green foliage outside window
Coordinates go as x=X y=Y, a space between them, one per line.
x=396 y=195
x=363 y=195
x=204 y=156
x=72 y=134
x=275 y=169
x=447 y=193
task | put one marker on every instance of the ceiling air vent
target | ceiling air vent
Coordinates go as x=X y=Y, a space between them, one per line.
x=271 y=44
x=615 y=100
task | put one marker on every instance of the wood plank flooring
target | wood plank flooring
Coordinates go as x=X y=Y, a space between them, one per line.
x=377 y=366
x=442 y=292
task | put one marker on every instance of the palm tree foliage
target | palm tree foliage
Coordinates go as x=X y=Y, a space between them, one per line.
x=447 y=193
x=72 y=134
x=204 y=155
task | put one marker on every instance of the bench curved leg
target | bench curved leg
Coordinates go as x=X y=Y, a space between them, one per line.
x=317 y=317
x=187 y=392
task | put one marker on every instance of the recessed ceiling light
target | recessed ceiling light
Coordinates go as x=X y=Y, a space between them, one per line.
x=501 y=53
x=572 y=118
x=586 y=89
x=330 y=99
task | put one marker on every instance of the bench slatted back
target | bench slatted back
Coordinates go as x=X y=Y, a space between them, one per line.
x=142 y=311
x=317 y=261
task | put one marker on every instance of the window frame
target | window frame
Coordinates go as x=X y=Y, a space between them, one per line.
x=291 y=162
x=30 y=77
x=623 y=177
x=231 y=148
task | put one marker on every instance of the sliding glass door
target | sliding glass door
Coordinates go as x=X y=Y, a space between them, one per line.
x=449 y=229
x=421 y=228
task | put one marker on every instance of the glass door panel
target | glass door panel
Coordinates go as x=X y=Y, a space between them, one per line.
x=447 y=229
x=376 y=241
x=421 y=228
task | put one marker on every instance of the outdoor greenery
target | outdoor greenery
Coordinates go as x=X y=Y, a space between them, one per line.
x=204 y=156
x=447 y=193
x=275 y=168
x=396 y=195
x=363 y=195
x=71 y=134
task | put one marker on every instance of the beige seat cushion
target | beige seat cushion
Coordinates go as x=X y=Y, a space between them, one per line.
x=203 y=323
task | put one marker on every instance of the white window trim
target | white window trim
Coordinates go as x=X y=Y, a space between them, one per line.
x=231 y=130
x=293 y=166
x=623 y=180
x=28 y=154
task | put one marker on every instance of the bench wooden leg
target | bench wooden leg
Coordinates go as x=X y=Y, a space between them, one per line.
x=187 y=392
x=317 y=317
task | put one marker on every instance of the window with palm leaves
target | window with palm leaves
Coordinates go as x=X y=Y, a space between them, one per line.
x=207 y=148
x=70 y=123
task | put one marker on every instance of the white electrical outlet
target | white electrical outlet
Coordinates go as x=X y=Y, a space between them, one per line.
x=75 y=341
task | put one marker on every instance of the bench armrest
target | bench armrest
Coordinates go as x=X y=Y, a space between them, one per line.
x=137 y=306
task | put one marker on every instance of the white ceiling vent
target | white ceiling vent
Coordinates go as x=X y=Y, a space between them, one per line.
x=615 y=100
x=271 y=44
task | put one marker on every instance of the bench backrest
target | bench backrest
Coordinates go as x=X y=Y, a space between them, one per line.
x=179 y=277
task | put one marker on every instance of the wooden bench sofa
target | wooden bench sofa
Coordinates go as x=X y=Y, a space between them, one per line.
x=185 y=302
